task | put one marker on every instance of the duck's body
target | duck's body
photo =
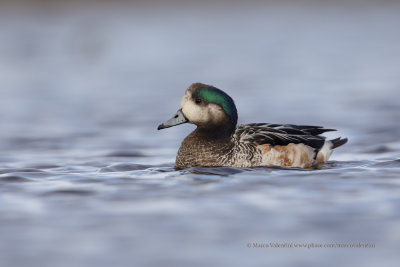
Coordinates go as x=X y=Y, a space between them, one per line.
x=258 y=144
x=217 y=142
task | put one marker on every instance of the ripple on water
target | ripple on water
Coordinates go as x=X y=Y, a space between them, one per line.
x=388 y=164
x=125 y=154
x=221 y=171
x=13 y=179
x=127 y=167
x=11 y=170
x=123 y=167
x=71 y=191
x=22 y=175
x=44 y=166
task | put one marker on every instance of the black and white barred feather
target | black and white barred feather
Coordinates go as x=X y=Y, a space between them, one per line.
x=284 y=134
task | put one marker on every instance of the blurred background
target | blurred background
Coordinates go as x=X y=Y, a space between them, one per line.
x=86 y=179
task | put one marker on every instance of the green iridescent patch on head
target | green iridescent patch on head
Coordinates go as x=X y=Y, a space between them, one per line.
x=219 y=97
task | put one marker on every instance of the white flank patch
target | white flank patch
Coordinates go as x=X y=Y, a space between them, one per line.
x=325 y=152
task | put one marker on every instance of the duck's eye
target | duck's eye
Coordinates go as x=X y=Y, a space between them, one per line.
x=197 y=100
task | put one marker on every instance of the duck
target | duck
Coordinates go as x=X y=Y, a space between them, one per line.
x=217 y=141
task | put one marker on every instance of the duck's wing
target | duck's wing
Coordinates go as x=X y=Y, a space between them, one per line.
x=281 y=134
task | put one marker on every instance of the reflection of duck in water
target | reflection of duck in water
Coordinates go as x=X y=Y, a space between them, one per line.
x=218 y=142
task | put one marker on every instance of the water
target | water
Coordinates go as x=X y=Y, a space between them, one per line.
x=87 y=180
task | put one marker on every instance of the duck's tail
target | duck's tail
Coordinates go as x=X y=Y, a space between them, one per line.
x=337 y=142
x=325 y=152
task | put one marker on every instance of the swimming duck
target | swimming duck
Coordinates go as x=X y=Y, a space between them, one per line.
x=218 y=142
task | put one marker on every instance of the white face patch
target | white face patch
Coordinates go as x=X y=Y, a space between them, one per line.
x=199 y=114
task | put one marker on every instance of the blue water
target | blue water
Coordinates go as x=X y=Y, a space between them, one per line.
x=87 y=180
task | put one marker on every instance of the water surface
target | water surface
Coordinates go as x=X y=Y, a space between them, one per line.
x=87 y=180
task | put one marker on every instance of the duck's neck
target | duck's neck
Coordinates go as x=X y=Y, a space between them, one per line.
x=217 y=133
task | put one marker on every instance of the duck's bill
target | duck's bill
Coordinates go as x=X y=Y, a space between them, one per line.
x=177 y=119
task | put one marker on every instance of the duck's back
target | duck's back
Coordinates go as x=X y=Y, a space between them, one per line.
x=284 y=145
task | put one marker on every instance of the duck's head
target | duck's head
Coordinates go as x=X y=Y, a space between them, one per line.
x=205 y=106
